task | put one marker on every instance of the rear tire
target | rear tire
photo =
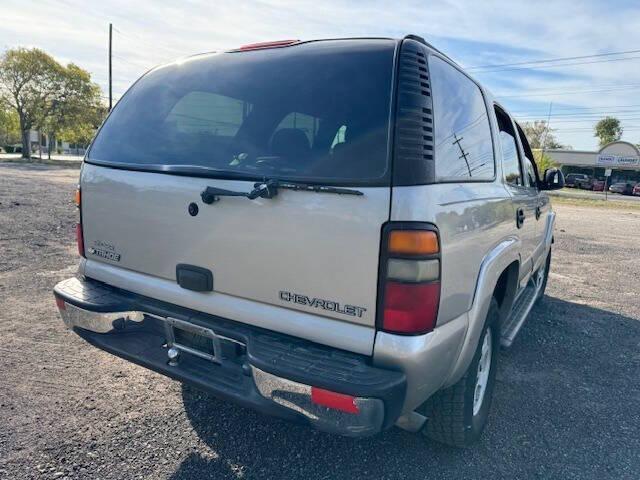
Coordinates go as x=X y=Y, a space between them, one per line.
x=457 y=415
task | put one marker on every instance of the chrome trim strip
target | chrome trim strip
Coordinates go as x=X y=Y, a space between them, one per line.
x=98 y=322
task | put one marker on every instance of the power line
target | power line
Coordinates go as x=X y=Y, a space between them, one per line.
x=579 y=108
x=134 y=63
x=568 y=92
x=573 y=87
x=558 y=65
x=139 y=39
x=582 y=114
x=594 y=120
x=558 y=59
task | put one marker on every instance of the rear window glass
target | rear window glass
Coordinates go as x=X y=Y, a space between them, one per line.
x=317 y=111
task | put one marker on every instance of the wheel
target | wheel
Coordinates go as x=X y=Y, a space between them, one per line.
x=542 y=275
x=457 y=415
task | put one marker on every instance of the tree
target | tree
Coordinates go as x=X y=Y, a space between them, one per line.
x=81 y=108
x=9 y=127
x=30 y=83
x=608 y=130
x=45 y=94
x=538 y=133
x=543 y=161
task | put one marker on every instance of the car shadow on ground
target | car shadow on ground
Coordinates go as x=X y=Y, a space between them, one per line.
x=565 y=406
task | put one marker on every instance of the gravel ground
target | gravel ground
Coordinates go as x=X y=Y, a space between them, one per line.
x=566 y=404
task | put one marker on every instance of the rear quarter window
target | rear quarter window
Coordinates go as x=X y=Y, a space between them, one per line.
x=463 y=146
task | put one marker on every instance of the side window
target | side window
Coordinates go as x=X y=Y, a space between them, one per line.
x=530 y=173
x=208 y=113
x=510 y=155
x=529 y=166
x=463 y=145
x=300 y=121
x=341 y=137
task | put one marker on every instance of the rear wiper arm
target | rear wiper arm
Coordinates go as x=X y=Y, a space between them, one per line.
x=269 y=189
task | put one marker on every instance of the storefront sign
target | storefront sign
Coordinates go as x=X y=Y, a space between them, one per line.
x=614 y=161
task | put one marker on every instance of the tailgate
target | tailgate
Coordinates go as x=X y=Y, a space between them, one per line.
x=313 y=252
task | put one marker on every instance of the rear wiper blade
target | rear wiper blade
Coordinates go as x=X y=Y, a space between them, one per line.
x=269 y=189
x=316 y=188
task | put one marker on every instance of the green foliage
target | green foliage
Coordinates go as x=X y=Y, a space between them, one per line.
x=543 y=162
x=46 y=95
x=608 y=130
x=538 y=133
x=9 y=127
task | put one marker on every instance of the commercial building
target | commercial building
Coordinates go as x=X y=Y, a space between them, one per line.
x=623 y=158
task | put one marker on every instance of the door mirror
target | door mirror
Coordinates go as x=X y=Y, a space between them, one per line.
x=553 y=179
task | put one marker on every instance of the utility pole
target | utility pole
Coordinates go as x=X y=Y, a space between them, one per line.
x=110 y=81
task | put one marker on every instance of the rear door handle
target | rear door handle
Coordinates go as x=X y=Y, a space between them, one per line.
x=520 y=217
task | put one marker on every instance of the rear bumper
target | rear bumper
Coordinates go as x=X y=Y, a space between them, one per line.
x=257 y=368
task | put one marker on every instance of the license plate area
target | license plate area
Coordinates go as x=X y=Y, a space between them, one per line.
x=193 y=339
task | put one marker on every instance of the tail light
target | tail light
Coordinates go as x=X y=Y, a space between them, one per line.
x=77 y=199
x=409 y=278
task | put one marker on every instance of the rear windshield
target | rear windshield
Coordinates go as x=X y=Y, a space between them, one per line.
x=318 y=112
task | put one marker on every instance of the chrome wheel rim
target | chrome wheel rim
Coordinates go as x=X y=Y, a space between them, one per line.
x=482 y=376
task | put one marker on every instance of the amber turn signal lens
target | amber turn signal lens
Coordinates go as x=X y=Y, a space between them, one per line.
x=76 y=198
x=413 y=242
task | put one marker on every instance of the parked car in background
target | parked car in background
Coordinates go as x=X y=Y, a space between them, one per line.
x=636 y=190
x=575 y=180
x=585 y=184
x=624 y=188
x=597 y=185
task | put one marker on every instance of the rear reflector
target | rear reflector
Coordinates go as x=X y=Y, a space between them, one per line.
x=413 y=242
x=76 y=198
x=60 y=303
x=277 y=43
x=410 y=307
x=337 y=401
x=80 y=239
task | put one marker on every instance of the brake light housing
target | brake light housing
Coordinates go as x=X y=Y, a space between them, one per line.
x=409 y=278
x=264 y=45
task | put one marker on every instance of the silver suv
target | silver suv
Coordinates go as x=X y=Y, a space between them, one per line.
x=340 y=232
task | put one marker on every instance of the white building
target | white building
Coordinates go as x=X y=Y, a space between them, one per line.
x=39 y=141
x=623 y=158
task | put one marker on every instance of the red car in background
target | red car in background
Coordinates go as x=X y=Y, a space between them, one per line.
x=597 y=185
x=636 y=190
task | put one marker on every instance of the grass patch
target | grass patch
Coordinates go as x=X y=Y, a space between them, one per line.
x=591 y=202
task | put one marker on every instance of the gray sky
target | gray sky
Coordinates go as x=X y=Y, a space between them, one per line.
x=474 y=33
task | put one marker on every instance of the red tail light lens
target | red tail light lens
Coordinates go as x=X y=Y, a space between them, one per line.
x=410 y=278
x=337 y=401
x=411 y=307
x=80 y=239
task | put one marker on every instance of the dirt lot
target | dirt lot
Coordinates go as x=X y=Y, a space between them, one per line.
x=567 y=404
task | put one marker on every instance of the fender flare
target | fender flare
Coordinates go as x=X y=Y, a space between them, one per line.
x=492 y=266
